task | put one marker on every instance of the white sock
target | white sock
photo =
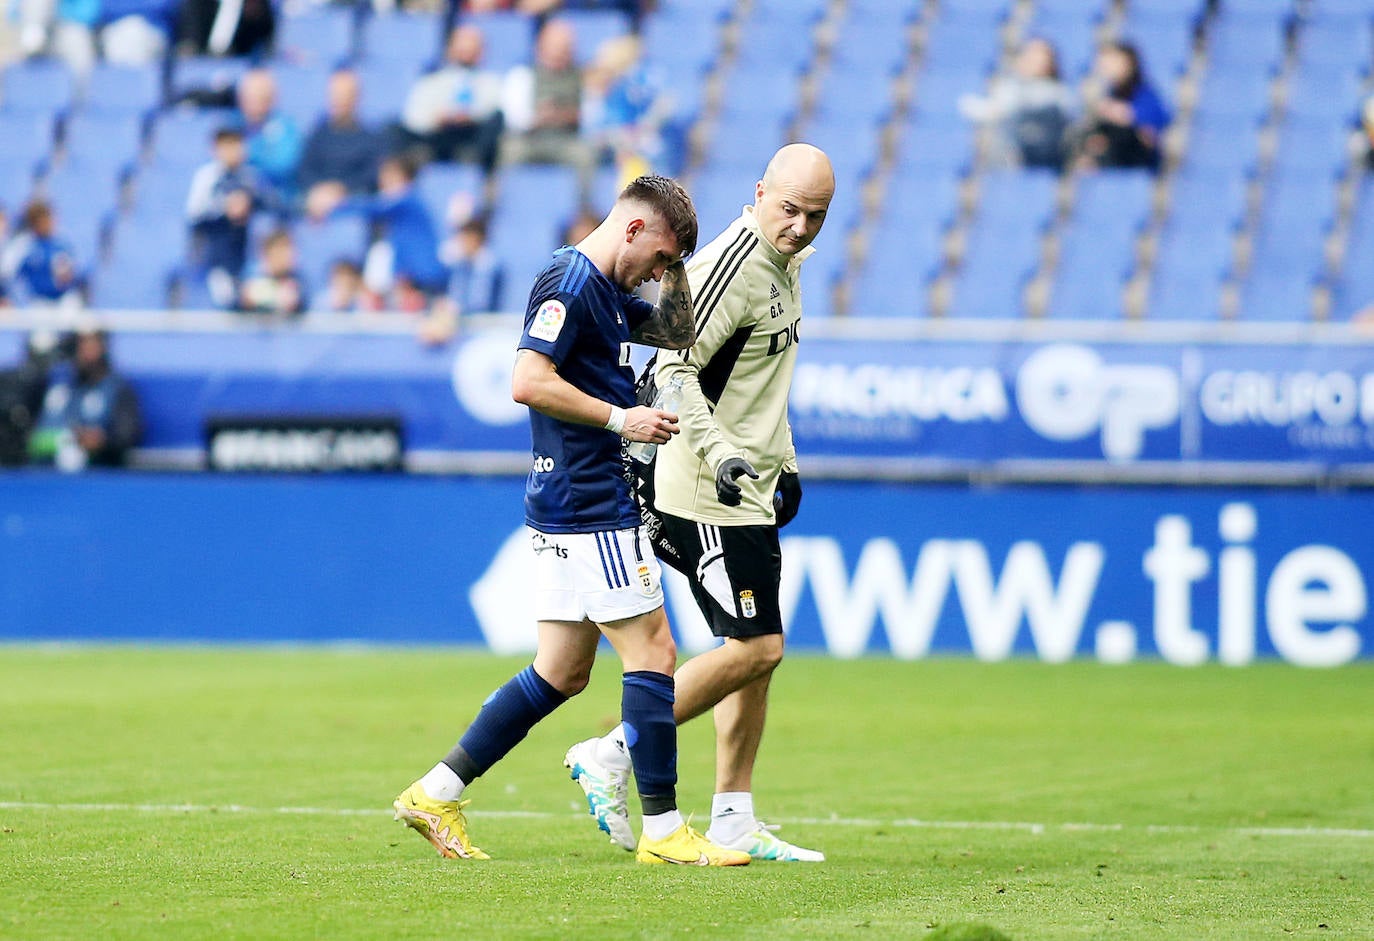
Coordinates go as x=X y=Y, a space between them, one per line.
x=732 y=815
x=442 y=784
x=659 y=826
x=612 y=752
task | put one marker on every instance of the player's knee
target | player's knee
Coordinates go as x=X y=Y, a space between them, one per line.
x=764 y=652
x=568 y=678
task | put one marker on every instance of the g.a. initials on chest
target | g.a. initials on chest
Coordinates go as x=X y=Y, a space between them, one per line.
x=783 y=320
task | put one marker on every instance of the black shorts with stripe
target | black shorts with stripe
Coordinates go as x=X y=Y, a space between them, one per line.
x=734 y=572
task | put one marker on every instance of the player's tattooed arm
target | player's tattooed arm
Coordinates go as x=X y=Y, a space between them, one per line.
x=672 y=326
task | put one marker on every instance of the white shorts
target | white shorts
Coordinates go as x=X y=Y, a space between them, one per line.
x=602 y=577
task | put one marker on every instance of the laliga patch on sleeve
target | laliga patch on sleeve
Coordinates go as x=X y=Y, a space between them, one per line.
x=548 y=321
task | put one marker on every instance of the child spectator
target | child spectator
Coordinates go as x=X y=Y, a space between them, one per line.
x=1029 y=110
x=224 y=193
x=345 y=292
x=417 y=274
x=90 y=414
x=1125 y=124
x=477 y=277
x=625 y=111
x=275 y=286
x=454 y=112
x=1367 y=119
x=38 y=264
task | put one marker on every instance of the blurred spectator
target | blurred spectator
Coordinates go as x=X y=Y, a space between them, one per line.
x=38 y=265
x=90 y=414
x=130 y=32
x=340 y=152
x=275 y=285
x=4 y=236
x=21 y=398
x=1030 y=110
x=625 y=109
x=477 y=276
x=274 y=141
x=543 y=104
x=226 y=27
x=454 y=112
x=224 y=193
x=345 y=293
x=415 y=272
x=1125 y=124
x=1367 y=117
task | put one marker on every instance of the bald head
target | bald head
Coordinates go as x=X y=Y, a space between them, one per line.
x=792 y=199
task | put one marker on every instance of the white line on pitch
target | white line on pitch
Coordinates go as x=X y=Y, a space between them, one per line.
x=1023 y=826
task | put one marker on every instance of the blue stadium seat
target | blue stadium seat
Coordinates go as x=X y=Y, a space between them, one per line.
x=803 y=10
x=875 y=42
x=1228 y=145
x=1245 y=40
x=1270 y=295
x=26 y=137
x=781 y=102
x=322 y=36
x=301 y=92
x=782 y=46
x=943 y=142
x=106 y=140
x=720 y=194
x=185 y=136
x=528 y=217
x=1193 y=258
x=1207 y=200
x=1072 y=32
x=122 y=89
x=385 y=87
x=1337 y=41
x=855 y=84
x=745 y=142
x=1235 y=92
x=960 y=46
x=894 y=281
x=1021 y=199
x=444 y=187
x=137 y=274
x=1309 y=146
x=16 y=184
x=1288 y=255
x=686 y=42
x=206 y=74
x=594 y=27
x=1354 y=288
x=998 y=262
x=402 y=37
x=937 y=93
x=509 y=38
x=320 y=244
x=36 y=86
x=824 y=269
x=1324 y=92
x=1165 y=41
x=1088 y=282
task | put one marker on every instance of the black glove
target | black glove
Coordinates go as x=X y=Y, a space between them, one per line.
x=787 y=499
x=727 y=490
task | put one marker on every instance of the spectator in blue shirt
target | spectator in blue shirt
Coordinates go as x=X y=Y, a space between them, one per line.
x=1126 y=124
x=408 y=231
x=341 y=151
x=274 y=141
x=38 y=265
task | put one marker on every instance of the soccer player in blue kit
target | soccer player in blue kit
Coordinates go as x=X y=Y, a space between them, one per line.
x=595 y=571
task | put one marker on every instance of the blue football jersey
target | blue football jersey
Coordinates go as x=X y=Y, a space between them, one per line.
x=582 y=321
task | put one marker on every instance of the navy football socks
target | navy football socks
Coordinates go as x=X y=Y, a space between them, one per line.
x=503 y=722
x=646 y=709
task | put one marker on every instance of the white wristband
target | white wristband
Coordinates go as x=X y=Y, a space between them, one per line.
x=616 y=422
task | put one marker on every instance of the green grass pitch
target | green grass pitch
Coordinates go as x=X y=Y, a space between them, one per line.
x=245 y=793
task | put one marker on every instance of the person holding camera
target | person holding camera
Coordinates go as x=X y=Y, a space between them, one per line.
x=90 y=415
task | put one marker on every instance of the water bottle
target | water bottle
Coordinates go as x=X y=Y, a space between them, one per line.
x=669 y=399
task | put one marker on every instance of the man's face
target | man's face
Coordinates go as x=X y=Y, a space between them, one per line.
x=650 y=247
x=230 y=152
x=790 y=215
x=90 y=349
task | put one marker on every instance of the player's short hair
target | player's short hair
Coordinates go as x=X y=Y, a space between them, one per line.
x=667 y=198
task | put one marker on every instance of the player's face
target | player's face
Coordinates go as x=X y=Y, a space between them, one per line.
x=790 y=215
x=649 y=249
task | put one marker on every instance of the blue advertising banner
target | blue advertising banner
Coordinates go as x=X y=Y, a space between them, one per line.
x=1188 y=575
x=971 y=403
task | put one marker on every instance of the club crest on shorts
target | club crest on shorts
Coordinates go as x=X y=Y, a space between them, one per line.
x=747 y=607
x=548 y=321
x=646 y=579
